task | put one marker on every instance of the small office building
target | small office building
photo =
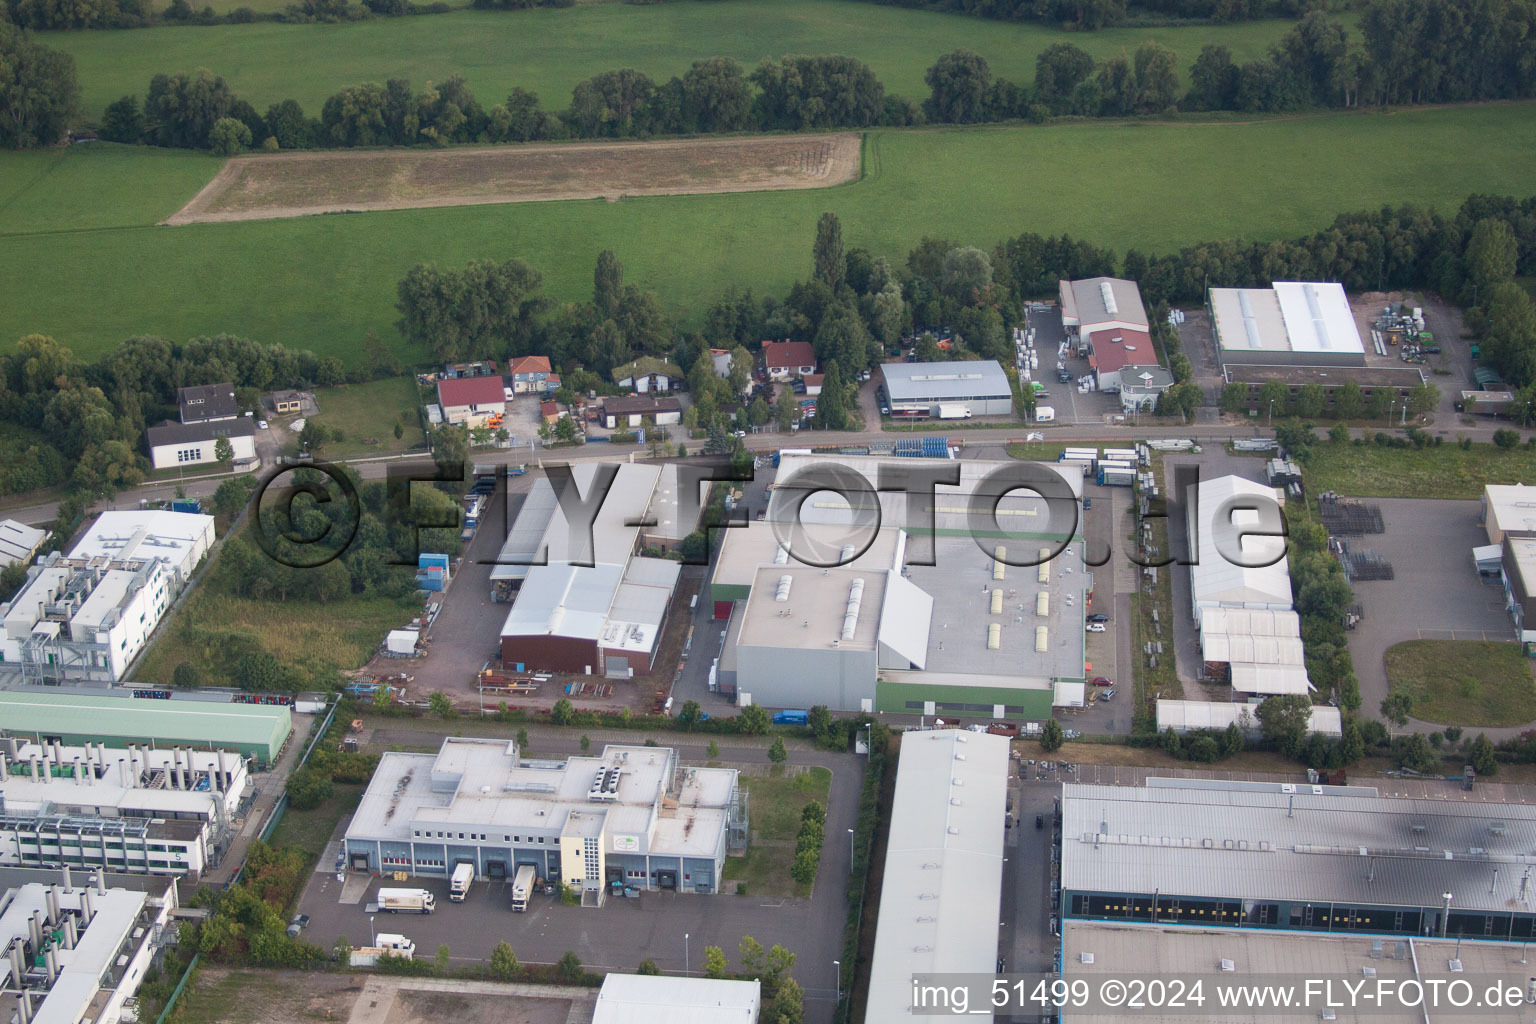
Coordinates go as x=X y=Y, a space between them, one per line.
x=632 y=815
x=174 y=445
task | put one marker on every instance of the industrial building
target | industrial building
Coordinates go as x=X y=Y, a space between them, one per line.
x=473 y=401
x=1288 y=324
x=132 y=811
x=1249 y=634
x=74 y=950
x=1286 y=857
x=979 y=386
x=1102 y=306
x=1517 y=565
x=18 y=542
x=86 y=616
x=968 y=635
x=648 y=999
x=1508 y=510
x=631 y=814
x=256 y=731
x=1190 y=715
x=1093 y=951
x=943 y=880
x=604 y=618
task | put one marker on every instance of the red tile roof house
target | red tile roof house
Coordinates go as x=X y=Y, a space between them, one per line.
x=785 y=360
x=1113 y=350
x=813 y=383
x=472 y=400
x=530 y=373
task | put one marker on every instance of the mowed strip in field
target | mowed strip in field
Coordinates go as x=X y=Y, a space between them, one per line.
x=299 y=184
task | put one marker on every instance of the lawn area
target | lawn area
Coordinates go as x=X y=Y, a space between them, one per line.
x=97 y=185
x=1464 y=682
x=775 y=803
x=366 y=414
x=548 y=50
x=321 y=282
x=338 y=636
x=311 y=830
x=1446 y=471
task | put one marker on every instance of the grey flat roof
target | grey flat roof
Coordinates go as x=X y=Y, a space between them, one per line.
x=1084 y=300
x=1161 y=951
x=975 y=378
x=642 y=999
x=564 y=600
x=1302 y=846
x=815 y=611
x=525 y=540
x=943 y=878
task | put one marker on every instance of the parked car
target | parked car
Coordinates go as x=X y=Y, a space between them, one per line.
x=1103 y=681
x=1087 y=502
x=1098 y=617
x=1096 y=627
x=1108 y=695
x=262 y=424
x=1039 y=821
x=297 y=925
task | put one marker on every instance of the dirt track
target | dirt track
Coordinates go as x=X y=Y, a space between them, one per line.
x=266 y=187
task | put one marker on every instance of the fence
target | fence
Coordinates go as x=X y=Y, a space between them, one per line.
x=170 y=1004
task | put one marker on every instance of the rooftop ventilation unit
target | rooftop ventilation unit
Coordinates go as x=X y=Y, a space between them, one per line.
x=845 y=555
x=781 y=556
x=999 y=553
x=1319 y=327
x=995 y=636
x=1228 y=965
x=851 y=616
x=785 y=582
x=1250 y=323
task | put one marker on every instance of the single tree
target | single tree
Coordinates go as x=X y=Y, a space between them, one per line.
x=569 y=968
x=648 y=968
x=713 y=751
x=715 y=964
x=223 y=452
x=1397 y=707
x=688 y=716
x=776 y=752
x=186 y=676
x=586 y=743
x=562 y=712
x=1051 y=736
x=827 y=260
x=503 y=961
x=440 y=704
x=753 y=720
x=1484 y=760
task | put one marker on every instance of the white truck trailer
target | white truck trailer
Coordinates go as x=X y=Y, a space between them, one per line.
x=458 y=885
x=406 y=901
x=522 y=887
x=954 y=411
x=385 y=944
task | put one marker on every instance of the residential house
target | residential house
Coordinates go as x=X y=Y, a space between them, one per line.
x=812 y=383
x=1142 y=386
x=631 y=410
x=720 y=359
x=649 y=374
x=551 y=412
x=192 y=444
x=207 y=403
x=472 y=401
x=786 y=360
x=531 y=373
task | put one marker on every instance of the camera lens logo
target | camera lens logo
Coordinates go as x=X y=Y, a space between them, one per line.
x=310 y=518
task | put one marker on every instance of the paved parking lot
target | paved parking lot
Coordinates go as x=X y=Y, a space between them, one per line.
x=1436 y=594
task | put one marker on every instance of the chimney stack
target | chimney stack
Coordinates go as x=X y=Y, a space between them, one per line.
x=24 y=1000
x=35 y=929
x=5 y=770
x=71 y=936
x=86 y=911
x=101 y=881
x=16 y=971
x=53 y=963
x=52 y=896
x=67 y=886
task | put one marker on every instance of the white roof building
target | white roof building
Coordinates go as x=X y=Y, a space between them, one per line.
x=18 y=542
x=180 y=539
x=1217 y=581
x=1507 y=509
x=646 y=999
x=943 y=878
x=109 y=935
x=1189 y=715
x=1291 y=324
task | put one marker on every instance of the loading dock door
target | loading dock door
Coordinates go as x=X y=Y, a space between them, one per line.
x=496 y=869
x=666 y=879
x=359 y=862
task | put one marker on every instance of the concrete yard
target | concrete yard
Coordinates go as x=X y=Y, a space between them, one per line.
x=1429 y=544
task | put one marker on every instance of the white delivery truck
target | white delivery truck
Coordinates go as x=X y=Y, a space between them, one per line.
x=385 y=944
x=406 y=901
x=954 y=411
x=458 y=885
x=522 y=887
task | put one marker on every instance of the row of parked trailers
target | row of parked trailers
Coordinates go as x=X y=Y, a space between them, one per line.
x=1116 y=467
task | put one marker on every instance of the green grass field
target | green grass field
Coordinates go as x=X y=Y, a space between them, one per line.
x=1368 y=471
x=323 y=282
x=366 y=415
x=1464 y=682
x=775 y=805
x=550 y=50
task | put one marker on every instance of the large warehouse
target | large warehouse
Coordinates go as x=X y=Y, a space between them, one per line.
x=968 y=635
x=918 y=389
x=1296 y=857
x=943 y=877
x=86 y=616
x=1288 y=324
x=630 y=814
x=601 y=619
x=252 y=730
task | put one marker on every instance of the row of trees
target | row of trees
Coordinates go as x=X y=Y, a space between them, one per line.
x=1088 y=15
x=51 y=15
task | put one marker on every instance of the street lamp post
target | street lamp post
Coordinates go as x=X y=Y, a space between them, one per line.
x=687 y=962
x=850 y=851
x=1271 y=411
x=372 y=939
x=1445 y=916
x=838 y=964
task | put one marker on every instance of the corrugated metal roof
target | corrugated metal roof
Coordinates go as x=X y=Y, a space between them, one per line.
x=18 y=541
x=1088 y=303
x=1275 y=845
x=1215 y=579
x=1185 y=715
x=943 y=878
x=564 y=600
x=525 y=541
x=193 y=722
x=1248 y=677
x=641 y=999
x=1250 y=621
x=975 y=378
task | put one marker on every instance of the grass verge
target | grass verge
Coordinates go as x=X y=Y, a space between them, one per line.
x=311 y=830
x=775 y=808
x=1442 y=471
x=1161 y=681
x=1464 y=682
x=366 y=414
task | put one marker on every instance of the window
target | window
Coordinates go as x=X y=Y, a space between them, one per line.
x=506 y=839
x=189 y=455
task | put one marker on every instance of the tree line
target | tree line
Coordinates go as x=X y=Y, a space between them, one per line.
x=48 y=16
x=1089 y=15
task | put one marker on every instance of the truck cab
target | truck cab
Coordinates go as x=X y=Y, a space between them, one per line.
x=458 y=885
